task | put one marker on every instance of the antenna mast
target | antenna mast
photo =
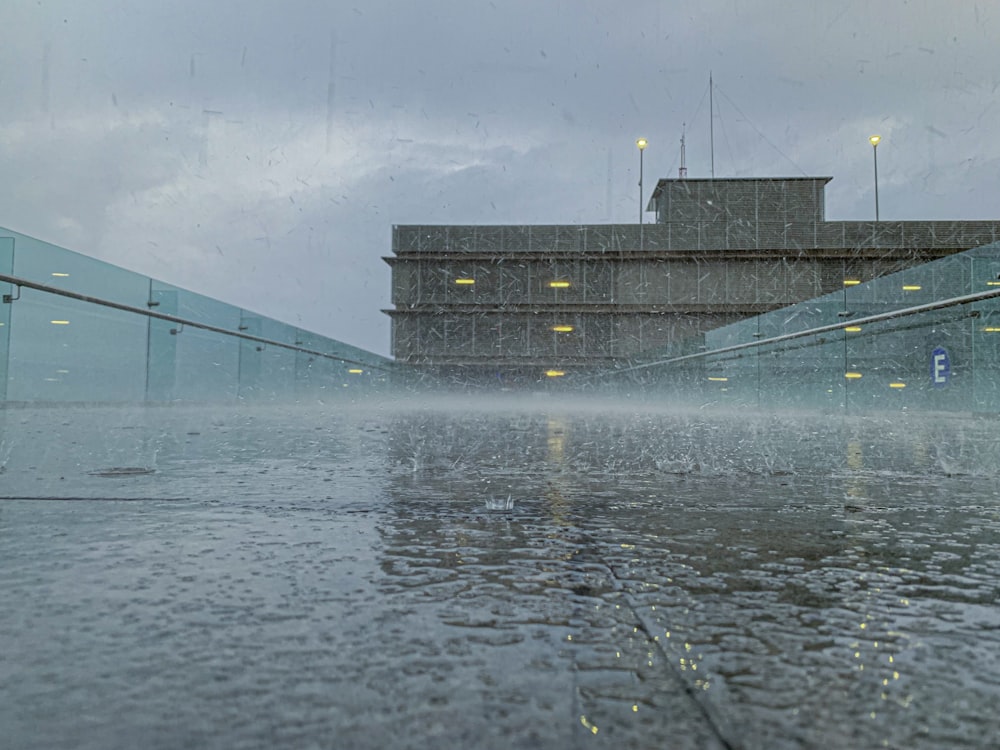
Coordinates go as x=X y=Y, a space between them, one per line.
x=711 y=122
x=683 y=171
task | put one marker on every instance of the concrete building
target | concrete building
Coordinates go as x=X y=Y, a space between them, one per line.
x=513 y=303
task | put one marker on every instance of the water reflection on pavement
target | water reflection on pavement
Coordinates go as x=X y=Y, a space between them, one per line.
x=449 y=575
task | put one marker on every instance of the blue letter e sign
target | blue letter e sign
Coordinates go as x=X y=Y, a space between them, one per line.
x=940 y=367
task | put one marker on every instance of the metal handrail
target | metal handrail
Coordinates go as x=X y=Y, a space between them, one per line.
x=868 y=319
x=27 y=283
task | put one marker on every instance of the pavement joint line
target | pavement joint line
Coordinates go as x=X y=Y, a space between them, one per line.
x=78 y=498
x=715 y=722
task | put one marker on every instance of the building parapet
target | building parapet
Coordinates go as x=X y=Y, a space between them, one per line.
x=708 y=236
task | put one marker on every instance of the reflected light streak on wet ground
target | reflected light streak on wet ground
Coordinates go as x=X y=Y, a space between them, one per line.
x=543 y=575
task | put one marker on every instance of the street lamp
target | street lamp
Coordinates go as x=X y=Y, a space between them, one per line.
x=874 y=140
x=641 y=143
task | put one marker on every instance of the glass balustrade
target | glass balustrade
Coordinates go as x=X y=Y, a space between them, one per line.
x=923 y=339
x=75 y=329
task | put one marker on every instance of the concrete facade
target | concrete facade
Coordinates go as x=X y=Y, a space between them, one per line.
x=516 y=302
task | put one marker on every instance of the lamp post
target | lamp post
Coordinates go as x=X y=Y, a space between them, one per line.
x=874 y=140
x=641 y=143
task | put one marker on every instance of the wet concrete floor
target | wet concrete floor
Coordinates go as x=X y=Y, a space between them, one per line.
x=517 y=574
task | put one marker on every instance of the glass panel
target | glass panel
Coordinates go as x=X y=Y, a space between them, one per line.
x=66 y=350
x=161 y=376
x=208 y=363
x=312 y=373
x=277 y=364
x=6 y=267
x=985 y=354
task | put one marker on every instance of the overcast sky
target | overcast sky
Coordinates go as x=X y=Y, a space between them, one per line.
x=260 y=151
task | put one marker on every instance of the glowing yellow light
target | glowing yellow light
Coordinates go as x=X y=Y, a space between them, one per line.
x=59 y=322
x=852 y=329
x=635 y=708
x=911 y=287
x=554 y=373
x=562 y=329
x=355 y=371
x=588 y=725
x=465 y=282
x=852 y=375
x=851 y=282
x=993 y=283
x=897 y=385
x=875 y=139
x=991 y=329
x=60 y=275
x=559 y=284
x=642 y=143
x=716 y=379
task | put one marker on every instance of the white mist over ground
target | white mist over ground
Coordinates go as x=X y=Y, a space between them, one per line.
x=282 y=575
